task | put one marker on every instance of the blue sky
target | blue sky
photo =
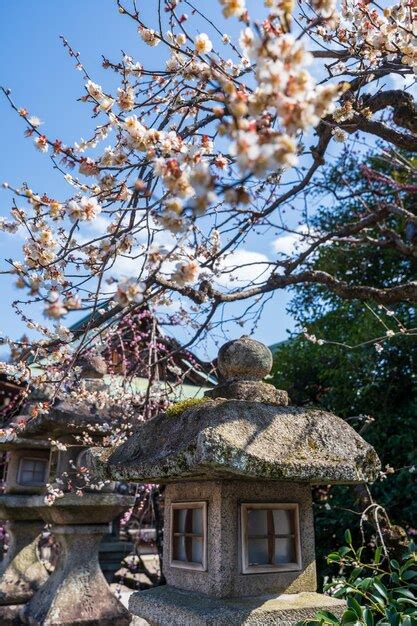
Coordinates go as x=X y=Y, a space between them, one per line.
x=42 y=78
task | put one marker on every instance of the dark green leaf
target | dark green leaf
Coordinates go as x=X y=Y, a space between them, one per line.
x=355 y=573
x=408 y=601
x=327 y=617
x=395 y=619
x=406 y=593
x=349 y=618
x=378 y=555
x=355 y=606
x=365 y=584
x=368 y=616
x=381 y=589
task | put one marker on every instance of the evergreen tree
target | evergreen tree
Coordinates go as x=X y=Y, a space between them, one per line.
x=360 y=360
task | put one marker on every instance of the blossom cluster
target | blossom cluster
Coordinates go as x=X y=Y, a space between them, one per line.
x=285 y=90
x=380 y=33
x=187 y=158
x=188 y=169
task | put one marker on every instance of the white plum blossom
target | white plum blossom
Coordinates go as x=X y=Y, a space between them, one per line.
x=53 y=492
x=40 y=250
x=129 y=291
x=172 y=215
x=55 y=308
x=34 y=120
x=86 y=209
x=339 y=134
x=326 y=8
x=149 y=36
x=233 y=8
x=126 y=98
x=63 y=333
x=203 y=45
x=94 y=90
x=41 y=143
x=186 y=272
x=180 y=39
x=8 y=226
x=132 y=67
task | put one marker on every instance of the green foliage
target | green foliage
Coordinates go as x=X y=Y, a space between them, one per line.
x=178 y=408
x=379 y=591
x=374 y=389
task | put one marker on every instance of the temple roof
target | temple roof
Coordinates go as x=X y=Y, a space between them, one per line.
x=244 y=431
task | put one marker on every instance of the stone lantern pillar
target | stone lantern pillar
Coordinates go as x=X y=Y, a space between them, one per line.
x=22 y=572
x=77 y=593
x=238 y=532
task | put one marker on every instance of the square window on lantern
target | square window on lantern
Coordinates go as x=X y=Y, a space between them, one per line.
x=32 y=472
x=189 y=535
x=270 y=536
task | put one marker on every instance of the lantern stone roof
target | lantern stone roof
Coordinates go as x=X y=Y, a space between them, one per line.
x=244 y=430
x=65 y=420
x=10 y=441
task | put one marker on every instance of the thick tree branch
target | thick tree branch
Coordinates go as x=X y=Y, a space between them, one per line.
x=387 y=295
x=403 y=104
x=379 y=129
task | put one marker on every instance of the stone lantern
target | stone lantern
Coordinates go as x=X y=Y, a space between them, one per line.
x=22 y=572
x=77 y=591
x=238 y=531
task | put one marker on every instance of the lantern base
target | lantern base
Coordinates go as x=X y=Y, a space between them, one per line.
x=165 y=605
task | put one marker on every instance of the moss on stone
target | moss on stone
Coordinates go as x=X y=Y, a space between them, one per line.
x=178 y=408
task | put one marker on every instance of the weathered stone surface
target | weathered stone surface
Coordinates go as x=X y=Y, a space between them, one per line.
x=21 y=572
x=17 y=507
x=93 y=366
x=243 y=446
x=64 y=420
x=244 y=359
x=242 y=439
x=9 y=441
x=243 y=363
x=166 y=606
x=76 y=593
x=255 y=391
x=224 y=577
x=91 y=508
x=10 y=615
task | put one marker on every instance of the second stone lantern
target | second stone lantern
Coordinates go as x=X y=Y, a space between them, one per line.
x=238 y=531
x=76 y=593
x=22 y=571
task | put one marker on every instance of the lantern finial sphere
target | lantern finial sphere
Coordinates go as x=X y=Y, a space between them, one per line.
x=244 y=359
